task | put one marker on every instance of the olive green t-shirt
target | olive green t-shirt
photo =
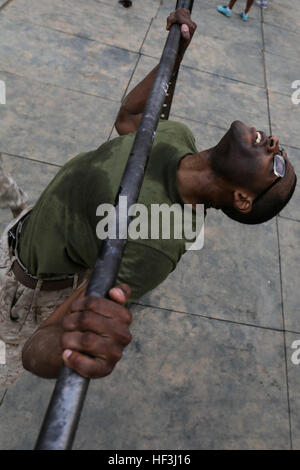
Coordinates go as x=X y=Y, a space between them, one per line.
x=59 y=236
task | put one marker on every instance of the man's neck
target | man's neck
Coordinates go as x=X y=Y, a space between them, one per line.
x=196 y=181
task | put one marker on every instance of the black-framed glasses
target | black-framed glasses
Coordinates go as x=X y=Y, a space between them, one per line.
x=279 y=170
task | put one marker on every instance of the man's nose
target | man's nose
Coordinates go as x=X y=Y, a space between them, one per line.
x=273 y=143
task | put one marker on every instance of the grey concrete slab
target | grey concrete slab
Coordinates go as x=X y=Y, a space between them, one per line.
x=140 y=8
x=2 y=2
x=285 y=117
x=283 y=17
x=293 y=361
x=281 y=73
x=226 y=51
x=218 y=101
x=289 y=231
x=206 y=136
x=210 y=24
x=211 y=99
x=61 y=59
x=29 y=410
x=285 y=44
x=109 y=24
x=49 y=123
x=234 y=277
x=2 y=394
x=232 y=61
x=31 y=176
x=292 y=210
x=183 y=383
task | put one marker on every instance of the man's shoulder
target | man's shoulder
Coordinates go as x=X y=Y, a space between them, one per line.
x=173 y=126
x=176 y=133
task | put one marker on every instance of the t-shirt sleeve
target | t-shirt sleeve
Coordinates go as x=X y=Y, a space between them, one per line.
x=143 y=268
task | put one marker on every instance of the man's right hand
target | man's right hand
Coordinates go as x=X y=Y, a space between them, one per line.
x=95 y=333
x=188 y=28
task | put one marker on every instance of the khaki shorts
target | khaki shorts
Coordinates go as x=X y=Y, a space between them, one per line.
x=21 y=311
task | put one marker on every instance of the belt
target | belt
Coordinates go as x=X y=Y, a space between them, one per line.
x=31 y=282
x=21 y=273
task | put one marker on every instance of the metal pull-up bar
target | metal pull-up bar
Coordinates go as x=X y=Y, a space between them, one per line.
x=62 y=417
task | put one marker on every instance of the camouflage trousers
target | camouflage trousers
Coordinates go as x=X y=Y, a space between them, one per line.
x=10 y=194
x=21 y=309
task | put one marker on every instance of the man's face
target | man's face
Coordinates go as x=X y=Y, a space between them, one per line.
x=249 y=155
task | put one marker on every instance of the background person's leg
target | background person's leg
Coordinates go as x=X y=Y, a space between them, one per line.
x=248 y=6
x=244 y=14
x=231 y=4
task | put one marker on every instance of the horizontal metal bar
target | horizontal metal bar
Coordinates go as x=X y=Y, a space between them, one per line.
x=62 y=417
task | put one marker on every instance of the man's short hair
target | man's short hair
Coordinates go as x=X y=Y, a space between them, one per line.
x=269 y=205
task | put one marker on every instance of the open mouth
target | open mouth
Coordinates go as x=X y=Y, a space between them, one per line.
x=260 y=137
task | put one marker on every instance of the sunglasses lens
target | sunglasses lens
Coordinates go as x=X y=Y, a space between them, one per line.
x=279 y=165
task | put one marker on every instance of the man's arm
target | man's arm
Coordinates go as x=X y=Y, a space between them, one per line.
x=87 y=333
x=133 y=106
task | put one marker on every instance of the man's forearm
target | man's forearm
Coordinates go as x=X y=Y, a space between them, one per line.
x=135 y=101
x=131 y=111
x=42 y=353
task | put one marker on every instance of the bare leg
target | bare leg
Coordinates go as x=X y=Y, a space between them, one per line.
x=231 y=4
x=248 y=6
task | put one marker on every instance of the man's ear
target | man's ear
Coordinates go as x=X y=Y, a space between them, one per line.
x=242 y=201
